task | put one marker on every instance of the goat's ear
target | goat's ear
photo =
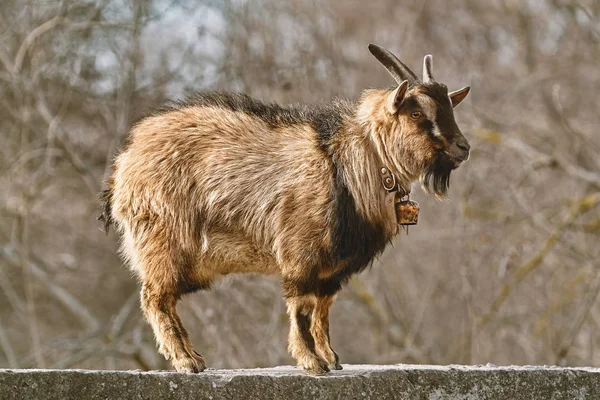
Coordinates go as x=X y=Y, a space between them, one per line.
x=397 y=97
x=459 y=95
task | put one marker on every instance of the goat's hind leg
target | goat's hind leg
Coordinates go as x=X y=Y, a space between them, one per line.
x=166 y=273
x=160 y=309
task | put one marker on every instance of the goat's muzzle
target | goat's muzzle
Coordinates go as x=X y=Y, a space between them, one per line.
x=459 y=151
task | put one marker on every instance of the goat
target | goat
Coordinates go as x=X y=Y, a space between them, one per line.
x=222 y=183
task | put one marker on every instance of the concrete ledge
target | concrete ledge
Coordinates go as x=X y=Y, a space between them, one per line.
x=354 y=382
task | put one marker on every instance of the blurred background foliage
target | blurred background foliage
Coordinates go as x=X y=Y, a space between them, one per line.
x=506 y=272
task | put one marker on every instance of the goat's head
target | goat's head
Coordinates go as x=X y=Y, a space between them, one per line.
x=415 y=130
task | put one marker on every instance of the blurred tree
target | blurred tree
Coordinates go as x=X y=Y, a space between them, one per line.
x=506 y=272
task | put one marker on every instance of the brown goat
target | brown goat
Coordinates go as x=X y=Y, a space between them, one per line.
x=223 y=183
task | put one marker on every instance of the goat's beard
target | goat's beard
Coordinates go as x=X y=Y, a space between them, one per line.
x=436 y=179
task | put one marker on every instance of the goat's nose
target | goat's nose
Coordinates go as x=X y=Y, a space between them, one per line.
x=463 y=145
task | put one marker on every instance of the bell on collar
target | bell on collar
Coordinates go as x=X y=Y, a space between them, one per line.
x=407 y=212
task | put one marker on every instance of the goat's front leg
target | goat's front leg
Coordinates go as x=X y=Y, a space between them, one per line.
x=319 y=330
x=301 y=343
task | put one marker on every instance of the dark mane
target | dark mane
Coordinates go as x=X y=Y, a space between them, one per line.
x=356 y=242
x=325 y=119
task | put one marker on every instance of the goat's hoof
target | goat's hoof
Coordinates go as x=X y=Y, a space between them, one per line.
x=337 y=367
x=336 y=363
x=190 y=365
x=314 y=365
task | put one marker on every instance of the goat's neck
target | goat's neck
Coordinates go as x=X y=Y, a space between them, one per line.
x=361 y=150
x=359 y=168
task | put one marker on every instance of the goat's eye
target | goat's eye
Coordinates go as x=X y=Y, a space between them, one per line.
x=415 y=114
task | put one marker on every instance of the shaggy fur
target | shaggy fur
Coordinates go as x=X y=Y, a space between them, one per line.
x=223 y=183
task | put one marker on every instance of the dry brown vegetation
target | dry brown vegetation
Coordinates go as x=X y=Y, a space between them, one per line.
x=506 y=272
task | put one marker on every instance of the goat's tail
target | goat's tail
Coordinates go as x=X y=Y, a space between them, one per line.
x=106 y=197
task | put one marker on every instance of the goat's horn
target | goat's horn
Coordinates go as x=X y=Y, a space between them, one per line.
x=427 y=66
x=395 y=67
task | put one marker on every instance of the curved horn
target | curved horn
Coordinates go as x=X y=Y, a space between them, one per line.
x=395 y=67
x=427 y=66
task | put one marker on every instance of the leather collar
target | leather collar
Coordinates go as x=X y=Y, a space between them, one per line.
x=390 y=184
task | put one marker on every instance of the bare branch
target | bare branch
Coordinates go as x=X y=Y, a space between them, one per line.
x=30 y=40
x=581 y=206
x=60 y=293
